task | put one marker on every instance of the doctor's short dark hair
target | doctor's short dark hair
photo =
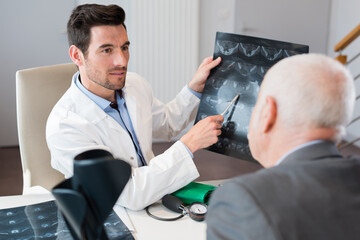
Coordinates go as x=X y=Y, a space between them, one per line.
x=86 y=16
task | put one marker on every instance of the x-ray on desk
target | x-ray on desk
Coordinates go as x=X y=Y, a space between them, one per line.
x=143 y=226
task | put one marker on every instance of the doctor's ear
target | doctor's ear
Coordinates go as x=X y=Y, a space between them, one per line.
x=76 y=55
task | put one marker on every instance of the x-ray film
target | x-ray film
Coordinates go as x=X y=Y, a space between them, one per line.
x=44 y=221
x=245 y=60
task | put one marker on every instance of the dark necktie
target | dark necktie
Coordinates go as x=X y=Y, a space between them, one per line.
x=114 y=105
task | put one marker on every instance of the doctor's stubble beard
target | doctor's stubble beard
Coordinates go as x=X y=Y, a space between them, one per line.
x=94 y=76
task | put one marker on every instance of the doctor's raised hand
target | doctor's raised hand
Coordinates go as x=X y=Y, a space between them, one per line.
x=204 y=133
x=197 y=83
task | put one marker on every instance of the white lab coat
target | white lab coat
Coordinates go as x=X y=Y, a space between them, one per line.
x=76 y=124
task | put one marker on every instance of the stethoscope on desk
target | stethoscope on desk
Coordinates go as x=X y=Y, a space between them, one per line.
x=196 y=210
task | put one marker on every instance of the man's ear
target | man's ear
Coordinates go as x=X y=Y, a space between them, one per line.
x=76 y=55
x=268 y=114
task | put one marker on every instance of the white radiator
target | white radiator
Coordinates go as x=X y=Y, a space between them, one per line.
x=165 y=43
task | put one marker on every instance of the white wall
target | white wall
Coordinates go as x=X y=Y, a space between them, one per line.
x=214 y=17
x=304 y=22
x=32 y=34
x=344 y=18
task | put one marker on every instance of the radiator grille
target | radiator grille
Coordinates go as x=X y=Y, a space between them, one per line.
x=164 y=43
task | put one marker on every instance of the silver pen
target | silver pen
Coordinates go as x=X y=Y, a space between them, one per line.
x=228 y=106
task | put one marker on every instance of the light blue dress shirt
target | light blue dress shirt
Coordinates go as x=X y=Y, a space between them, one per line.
x=121 y=114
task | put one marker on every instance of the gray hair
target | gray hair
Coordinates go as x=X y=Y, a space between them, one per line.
x=311 y=91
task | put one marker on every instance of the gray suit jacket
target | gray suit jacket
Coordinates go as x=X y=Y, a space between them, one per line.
x=313 y=194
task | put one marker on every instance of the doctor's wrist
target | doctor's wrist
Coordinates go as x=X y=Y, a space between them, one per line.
x=191 y=154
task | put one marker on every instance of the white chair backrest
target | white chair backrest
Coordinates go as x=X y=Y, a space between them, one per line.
x=37 y=91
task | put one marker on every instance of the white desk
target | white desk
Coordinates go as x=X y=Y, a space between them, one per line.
x=145 y=227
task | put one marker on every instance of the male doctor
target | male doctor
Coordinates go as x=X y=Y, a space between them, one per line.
x=108 y=108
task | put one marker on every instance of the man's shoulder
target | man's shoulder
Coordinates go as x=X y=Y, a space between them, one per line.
x=296 y=170
x=73 y=105
x=137 y=86
x=67 y=100
x=132 y=77
x=313 y=189
x=245 y=183
x=298 y=178
x=264 y=181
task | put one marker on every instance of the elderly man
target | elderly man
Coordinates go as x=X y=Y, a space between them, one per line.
x=307 y=190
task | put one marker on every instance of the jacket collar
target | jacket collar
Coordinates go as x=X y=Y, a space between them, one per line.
x=86 y=107
x=325 y=149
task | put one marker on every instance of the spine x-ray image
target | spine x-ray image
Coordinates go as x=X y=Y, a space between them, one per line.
x=44 y=221
x=245 y=60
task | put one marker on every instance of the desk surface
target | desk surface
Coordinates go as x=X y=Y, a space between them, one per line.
x=145 y=227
